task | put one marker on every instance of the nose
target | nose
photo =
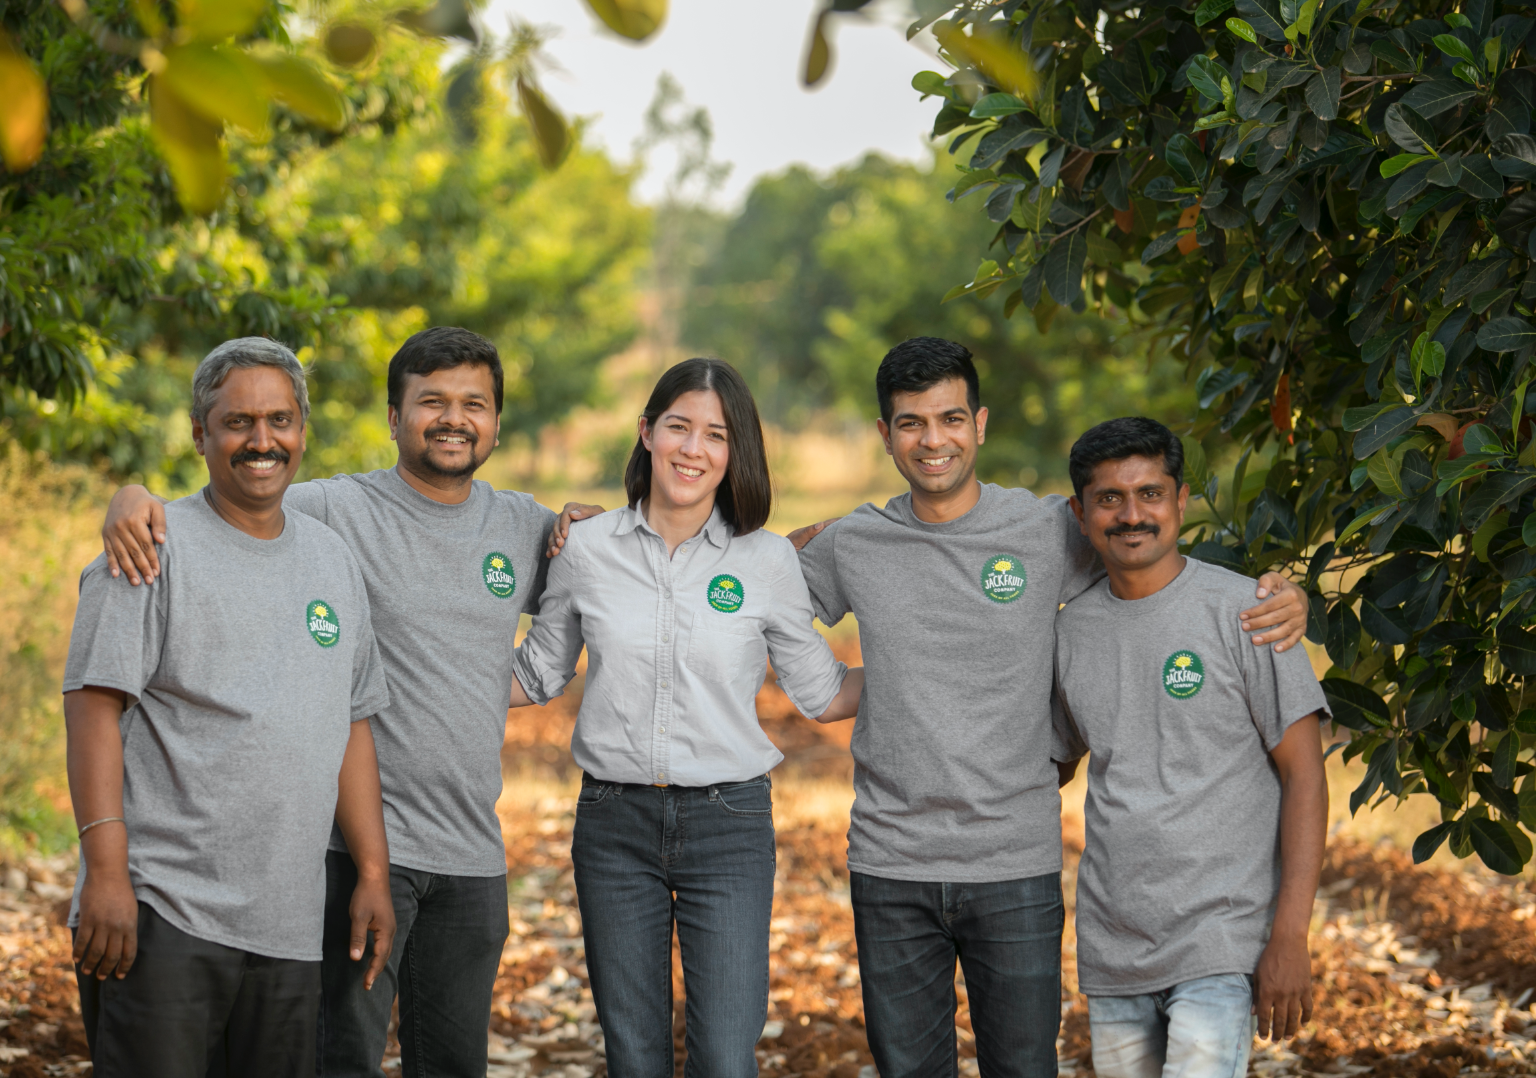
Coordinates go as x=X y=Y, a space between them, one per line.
x=261 y=438
x=933 y=437
x=693 y=445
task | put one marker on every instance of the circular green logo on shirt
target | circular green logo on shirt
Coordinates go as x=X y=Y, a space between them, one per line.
x=320 y=617
x=726 y=593
x=1003 y=578
x=1183 y=674
x=496 y=570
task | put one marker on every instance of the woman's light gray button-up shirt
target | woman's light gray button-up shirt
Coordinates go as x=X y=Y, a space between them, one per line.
x=677 y=648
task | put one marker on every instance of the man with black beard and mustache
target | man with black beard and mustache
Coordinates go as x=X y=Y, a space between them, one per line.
x=449 y=565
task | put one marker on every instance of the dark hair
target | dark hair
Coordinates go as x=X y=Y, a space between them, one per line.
x=745 y=495
x=922 y=363
x=1129 y=436
x=443 y=348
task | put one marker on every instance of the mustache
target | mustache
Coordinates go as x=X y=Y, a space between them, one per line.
x=245 y=455
x=1133 y=529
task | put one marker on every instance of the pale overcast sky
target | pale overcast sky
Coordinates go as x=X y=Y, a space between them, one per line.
x=740 y=59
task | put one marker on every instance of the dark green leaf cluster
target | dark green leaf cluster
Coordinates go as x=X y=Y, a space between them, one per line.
x=1327 y=209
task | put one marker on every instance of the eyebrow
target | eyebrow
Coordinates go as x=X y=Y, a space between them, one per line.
x=685 y=419
x=942 y=415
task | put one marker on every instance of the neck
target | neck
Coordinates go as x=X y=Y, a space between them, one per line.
x=260 y=522
x=1144 y=580
x=953 y=504
x=447 y=489
x=676 y=524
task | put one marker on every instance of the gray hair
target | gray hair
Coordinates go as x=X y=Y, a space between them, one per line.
x=245 y=352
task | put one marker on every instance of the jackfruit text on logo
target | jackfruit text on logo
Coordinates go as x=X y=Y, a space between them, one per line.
x=323 y=624
x=1003 y=578
x=500 y=579
x=726 y=593
x=1183 y=674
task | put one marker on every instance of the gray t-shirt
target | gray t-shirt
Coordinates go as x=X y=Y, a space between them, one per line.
x=244 y=666
x=952 y=745
x=1180 y=712
x=447 y=583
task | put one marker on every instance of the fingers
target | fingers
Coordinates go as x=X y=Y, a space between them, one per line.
x=359 y=939
x=1264 y=1008
x=383 y=942
x=110 y=957
x=95 y=938
x=130 y=952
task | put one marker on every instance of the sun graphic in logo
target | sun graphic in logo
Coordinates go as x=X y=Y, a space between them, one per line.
x=497 y=563
x=321 y=611
x=729 y=585
x=1002 y=565
x=1183 y=662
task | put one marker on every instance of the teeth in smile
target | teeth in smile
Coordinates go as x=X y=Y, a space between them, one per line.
x=935 y=462
x=452 y=439
x=261 y=465
x=691 y=473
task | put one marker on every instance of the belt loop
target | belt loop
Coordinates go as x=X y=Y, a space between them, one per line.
x=714 y=793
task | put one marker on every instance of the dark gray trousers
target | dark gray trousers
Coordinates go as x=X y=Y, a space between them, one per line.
x=194 y=1009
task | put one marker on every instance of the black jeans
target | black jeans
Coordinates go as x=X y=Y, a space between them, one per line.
x=194 y=1009
x=703 y=857
x=448 y=939
x=1007 y=936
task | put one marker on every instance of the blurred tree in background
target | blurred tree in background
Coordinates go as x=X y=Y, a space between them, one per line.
x=818 y=276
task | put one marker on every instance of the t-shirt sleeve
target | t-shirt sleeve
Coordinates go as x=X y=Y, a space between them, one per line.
x=370 y=690
x=119 y=630
x=1081 y=567
x=1281 y=687
x=818 y=569
x=547 y=518
x=545 y=661
x=808 y=673
x=307 y=498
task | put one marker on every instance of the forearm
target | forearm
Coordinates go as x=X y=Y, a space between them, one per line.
x=845 y=705
x=94 y=761
x=519 y=694
x=1303 y=836
x=359 y=805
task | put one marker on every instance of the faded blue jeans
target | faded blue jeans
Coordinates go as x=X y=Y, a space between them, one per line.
x=1006 y=936
x=1198 y=1029
x=702 y=858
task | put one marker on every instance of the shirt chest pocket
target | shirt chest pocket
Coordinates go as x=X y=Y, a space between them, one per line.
x=727 y=654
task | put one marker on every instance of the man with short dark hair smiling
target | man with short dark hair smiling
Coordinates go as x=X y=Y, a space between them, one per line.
x=955 y=844
x=218 y=724
x=450 y=564
x=1207 y=804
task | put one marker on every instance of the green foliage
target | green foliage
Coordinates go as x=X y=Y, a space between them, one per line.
x=818 y=277
x=1325 y=209
x=338 y=244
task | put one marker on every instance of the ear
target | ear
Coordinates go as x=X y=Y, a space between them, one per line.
x=1077 y=510
x=496 y=439
x=981 y=424
x=885 y=434
x=198 y=435
x=1183 y=502
x=394 y=423
x=645 y=434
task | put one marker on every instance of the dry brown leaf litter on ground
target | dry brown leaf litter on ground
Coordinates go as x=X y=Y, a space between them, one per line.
x=1419 y=973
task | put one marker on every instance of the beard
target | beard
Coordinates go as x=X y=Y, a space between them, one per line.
x=424 y=461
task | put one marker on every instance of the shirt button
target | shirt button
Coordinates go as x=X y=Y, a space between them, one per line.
x=665 y=638
x=663 y=729
x=661 y=774
x=666 y=684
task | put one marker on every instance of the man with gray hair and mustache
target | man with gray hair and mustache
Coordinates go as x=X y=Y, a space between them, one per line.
x=218 y=727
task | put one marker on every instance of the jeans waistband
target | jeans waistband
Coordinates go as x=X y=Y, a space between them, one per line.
x=587 y=777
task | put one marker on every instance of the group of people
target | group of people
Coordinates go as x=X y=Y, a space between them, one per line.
x=285 y=705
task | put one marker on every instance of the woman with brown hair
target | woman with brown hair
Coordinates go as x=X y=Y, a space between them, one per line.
x=680 y=598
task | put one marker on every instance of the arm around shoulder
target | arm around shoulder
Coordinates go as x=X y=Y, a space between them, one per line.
x=135 y=522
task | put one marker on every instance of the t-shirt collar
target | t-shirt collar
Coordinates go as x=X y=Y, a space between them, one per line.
x=1151 y=603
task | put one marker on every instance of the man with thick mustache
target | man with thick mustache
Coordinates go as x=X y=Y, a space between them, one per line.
x=218 y=735
x=954 y=849
x=449 y=563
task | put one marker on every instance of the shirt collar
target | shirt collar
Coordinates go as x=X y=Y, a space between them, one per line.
x=715 y=529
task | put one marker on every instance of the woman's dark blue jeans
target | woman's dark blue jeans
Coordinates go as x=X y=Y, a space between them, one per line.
x=702 y=857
